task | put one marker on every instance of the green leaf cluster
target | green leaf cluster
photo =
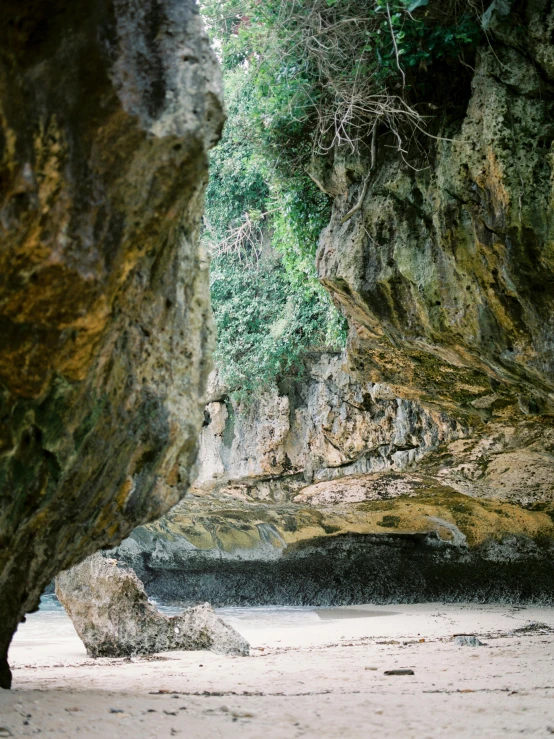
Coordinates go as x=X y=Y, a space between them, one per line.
x=325 y=70
x=268 y=305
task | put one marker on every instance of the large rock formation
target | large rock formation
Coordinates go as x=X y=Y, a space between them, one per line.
x=330 y=490
x=323 y=426
x=106 y=113
x=337 y=489
x=446 y=272
x=379 y=538
x=113 y=617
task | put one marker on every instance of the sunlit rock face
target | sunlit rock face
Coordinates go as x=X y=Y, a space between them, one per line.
x=107 y=111
x=421 y=465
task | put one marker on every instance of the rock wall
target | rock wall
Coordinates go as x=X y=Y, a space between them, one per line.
x=428 y=543
x=336 y=490
x=323 y=425
x=107 y=111
x=330 y=490
x=446 y=272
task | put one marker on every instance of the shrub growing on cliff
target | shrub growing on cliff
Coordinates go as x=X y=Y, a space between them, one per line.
x=262 y=232
x=325 y=72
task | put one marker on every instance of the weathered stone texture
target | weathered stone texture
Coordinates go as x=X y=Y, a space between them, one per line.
x=323 y=426
x=114 y=618
x=379 y=538
x=447 y=274
x=106 y=113
x=446 y=397
x=332 y=490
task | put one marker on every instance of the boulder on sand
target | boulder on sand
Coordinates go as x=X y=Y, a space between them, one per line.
x=114 y=618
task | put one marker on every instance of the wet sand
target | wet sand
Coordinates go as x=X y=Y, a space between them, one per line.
x=311 y=673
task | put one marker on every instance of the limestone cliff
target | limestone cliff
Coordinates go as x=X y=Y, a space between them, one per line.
x=107 y=111
x=440 y=421
x=332 y=490
x=446 y=272
x=323 y=425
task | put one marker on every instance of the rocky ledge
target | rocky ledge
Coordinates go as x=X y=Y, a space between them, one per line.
x=402 y=538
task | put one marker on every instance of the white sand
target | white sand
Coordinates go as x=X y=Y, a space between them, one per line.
x=309 y=675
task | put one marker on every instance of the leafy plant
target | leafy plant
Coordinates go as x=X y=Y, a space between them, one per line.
x=327 y=71
x=262 y=231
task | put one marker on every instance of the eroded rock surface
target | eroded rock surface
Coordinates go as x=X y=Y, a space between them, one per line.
x=421 y=465
x=333 y=490
x=399 y=538
x=323 y=426
x=446 y=272
x=106 y=114
x=113 y=617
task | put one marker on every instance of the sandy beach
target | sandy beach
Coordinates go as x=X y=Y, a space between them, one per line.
x=312 y=673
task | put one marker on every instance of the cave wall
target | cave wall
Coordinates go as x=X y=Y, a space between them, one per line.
x=107 y=110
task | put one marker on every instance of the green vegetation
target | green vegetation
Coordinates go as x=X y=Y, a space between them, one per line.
x=262 y=230
x=304 y=77
x=389 y=522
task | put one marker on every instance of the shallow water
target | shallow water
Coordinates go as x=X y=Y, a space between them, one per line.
x=257 y=617
x=251 y=616
x=51 y=623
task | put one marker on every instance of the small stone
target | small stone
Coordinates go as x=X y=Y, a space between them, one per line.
x=4 y=731
x=467 y=640
x=116 y=710
x=399 y=672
